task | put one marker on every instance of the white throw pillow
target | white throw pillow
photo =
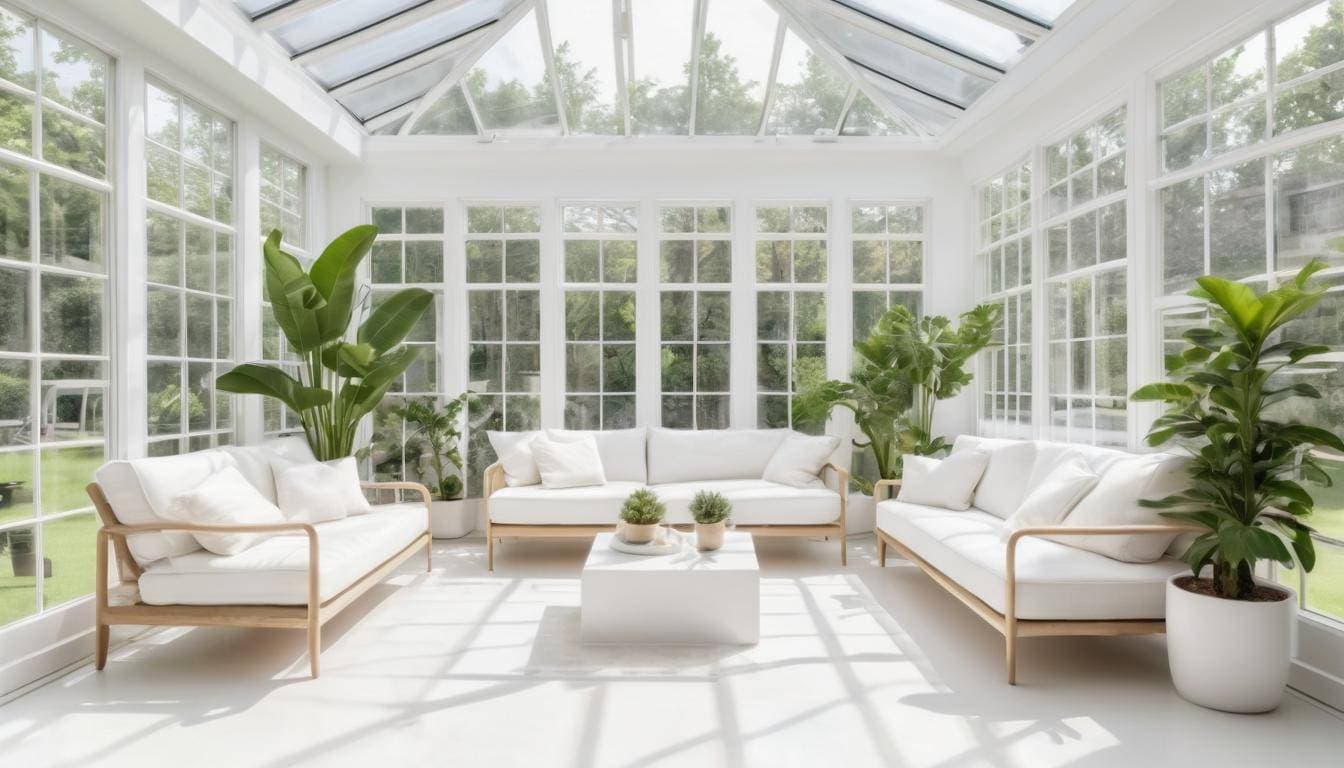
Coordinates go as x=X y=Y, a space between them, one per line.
x=314 y=492
x=1004 y=484
x=798 y=460
x=1051 y=501
x=569 y=463
x=696 y=455
x=948 y=483
x=514 y=450
x=1115 y=501
x=225 y=498
x=622 y=451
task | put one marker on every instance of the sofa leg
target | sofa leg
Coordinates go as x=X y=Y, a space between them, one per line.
x=489 y=552
x=844 y=551
x=1010 y=640
x=314 y=647
x=429 y=555
x=881 y=552
x=100 y=647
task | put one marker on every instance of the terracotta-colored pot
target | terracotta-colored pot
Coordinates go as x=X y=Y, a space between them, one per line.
x=709 y=536
x=638 y=534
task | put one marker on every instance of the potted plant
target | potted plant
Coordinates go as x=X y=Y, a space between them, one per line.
x=430 y=446
x=901 y=371
x=710 y=511
x=339 y=381
x=640 y=515
x=1229 y=634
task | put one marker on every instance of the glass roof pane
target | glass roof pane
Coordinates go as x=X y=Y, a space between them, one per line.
x=1044 y=11
x=340 y=18
x=867 y=119
x=949 y=27
x=510 y=86
x=407 y=41
x=585 y=62
x=391 y=128
x=448 y=117
x=808 y=93
x=911 y=67
x=257 y=7
x=734 y=66
x=660 y=99
x=393 y=92
x=933 y=120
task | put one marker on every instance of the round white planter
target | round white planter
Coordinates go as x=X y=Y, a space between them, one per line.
x=450 y=519
x=860 y=514
x=1231 y=655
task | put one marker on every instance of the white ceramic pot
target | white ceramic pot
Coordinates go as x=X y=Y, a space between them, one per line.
x=860 y=513
x=1231 y=655
x=638 y=534
x=709 y=536
x=450 y=519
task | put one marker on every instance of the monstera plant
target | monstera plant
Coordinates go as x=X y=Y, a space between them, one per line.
x=338 y=380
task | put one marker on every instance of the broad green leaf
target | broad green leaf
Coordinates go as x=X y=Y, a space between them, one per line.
x=334 y=274
x=256 y=379
x=393 y=318
x=1238 y=300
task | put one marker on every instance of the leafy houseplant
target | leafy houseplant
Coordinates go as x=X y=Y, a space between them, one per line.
x=1244 y=492
x=339 y=381
x=431 y=441
x=640 y=514
x=709 y=510
x=904 y=367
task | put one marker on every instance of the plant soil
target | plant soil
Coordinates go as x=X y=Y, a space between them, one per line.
x=1207 y=588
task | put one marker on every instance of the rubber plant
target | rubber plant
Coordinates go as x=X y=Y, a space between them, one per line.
x=338 y=381
x=901 y=371
x=1245 y=464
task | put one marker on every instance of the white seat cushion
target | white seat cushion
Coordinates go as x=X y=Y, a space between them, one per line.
x=755 y=502
x=1053 y=581
x=275 y=571
x=538 y=505
x=622 y=450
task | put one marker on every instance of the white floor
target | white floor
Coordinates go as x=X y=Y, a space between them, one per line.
x=856 y=667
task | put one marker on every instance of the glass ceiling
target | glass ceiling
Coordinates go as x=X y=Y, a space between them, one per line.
x=489 y=68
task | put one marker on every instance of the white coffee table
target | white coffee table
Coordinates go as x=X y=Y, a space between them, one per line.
x=690 y=597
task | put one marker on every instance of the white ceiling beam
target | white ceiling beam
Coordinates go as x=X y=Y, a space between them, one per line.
x=387 y=26
x=495 y=33
x=475 y=113
x=697 y=40
x=548 y=55
x=389 y=117
x=402 y=66
x=619 y=35
x=994 y=14
x=898 y=36
x=772 y=80
x=850 y=98
x=287 y=13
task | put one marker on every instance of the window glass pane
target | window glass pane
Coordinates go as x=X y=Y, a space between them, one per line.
x=866 y=119
x=791 y=322
x=581 y=31
x=950 y=27
x=509 y=83
x=808 y=93
x=659 y=77
x=734 y=66
x=1309 y=204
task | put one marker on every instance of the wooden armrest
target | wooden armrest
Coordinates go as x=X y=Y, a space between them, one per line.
x=842 y=477
x=494 y=479
x=893 y=485
x=126 y=530
x=399 y=486
x=1098 y=530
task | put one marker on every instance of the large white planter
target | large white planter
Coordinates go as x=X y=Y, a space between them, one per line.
x=1231 y=655
x=450 y=519
x=860 y=514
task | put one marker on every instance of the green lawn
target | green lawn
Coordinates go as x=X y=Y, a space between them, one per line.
x=69 y=544
x=1325 y=583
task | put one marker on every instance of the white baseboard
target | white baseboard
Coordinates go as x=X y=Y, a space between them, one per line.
x=33 y=648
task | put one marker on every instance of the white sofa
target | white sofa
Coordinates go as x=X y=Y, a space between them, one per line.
x=675 y=464
x=1021 y=582
x=299 y=577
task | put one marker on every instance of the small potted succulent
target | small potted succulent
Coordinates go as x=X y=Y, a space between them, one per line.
x=711 y=511
x=640 y=515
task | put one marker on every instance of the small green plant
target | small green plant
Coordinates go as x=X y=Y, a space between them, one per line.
x=432 y=433
x=643 y=508
x=709 y=507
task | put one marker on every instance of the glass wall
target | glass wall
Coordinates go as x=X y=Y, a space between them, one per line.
x=695 y=273
x=791 y=284
x=888 y=250
x=1003 y=276
x=283 y=201
x=54 y=255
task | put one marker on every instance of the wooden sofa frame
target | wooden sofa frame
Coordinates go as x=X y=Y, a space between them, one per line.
x=494 y=480
x=310 y=616
x=1007 y=622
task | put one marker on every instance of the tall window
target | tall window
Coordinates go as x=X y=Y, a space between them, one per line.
x=600 y=272
x=695 y=269
x=189 y=153
x=1085 y=284
x=284 y=206
x=503 y=252
x=1260 y=217
x=791 y=284
x=888 y=249
x=1004 y=266
x=53 y=309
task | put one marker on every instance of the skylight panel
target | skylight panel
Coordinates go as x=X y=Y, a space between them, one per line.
x=949 y=27
x=867 y=119
x=393 y=46
x=257 y=7
x=933 y=120
x=734 y=66
x=585 y=63
x=510 y=85
x=911 y=67
x=1042 y=11
x=450 y=116
x=396 y=91
x=659 y=75
x=808 y=93
x=336 y=20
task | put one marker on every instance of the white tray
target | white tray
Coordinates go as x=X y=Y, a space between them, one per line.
x=669 y=542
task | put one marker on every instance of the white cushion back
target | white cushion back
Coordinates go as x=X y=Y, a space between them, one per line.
x=254 y=464
x=948 y=483
x=1005 y=482
x=1115 y=501
x=685 y=455
x=514 y=452
x=622 y=451
x=140 y=491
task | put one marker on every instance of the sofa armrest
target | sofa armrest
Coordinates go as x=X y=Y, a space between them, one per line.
x=494 y=479
x=886 y=489
x=841 y=478
x=405 y=486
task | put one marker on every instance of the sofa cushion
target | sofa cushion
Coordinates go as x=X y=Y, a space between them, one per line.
x=1054 y=497
x=682 y=455
x=225 y=498
x=622 y=450
x=755 y=502
x=514 y=451
x=1005 y=482
x=1115 y=501
x=538 y=505
x=275 y=571
x=798 y=460
x=947 y=483
x=568 y=463
x=1054 y=582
